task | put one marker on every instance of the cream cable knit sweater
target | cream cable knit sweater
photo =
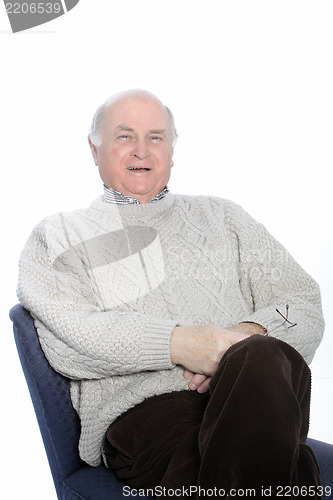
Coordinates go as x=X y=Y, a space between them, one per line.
x=107 y=285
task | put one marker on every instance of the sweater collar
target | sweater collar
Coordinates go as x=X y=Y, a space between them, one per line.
x=137 y=210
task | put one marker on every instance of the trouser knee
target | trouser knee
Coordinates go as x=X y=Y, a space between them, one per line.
x=267 y=363
x=267 y=353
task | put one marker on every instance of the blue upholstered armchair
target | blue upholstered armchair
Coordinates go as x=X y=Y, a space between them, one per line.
x=60 y=426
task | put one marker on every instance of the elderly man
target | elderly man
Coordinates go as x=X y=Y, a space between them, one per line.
x=184 y=327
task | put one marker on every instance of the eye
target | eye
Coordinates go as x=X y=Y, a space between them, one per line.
x=124 y=138
x=156 y=138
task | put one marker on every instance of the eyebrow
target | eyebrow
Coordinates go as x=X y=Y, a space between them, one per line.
x=123 y=127
x=157 y=131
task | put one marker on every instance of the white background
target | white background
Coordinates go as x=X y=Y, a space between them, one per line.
x=250 y=84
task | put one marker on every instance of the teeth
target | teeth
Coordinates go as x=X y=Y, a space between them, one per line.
x=138 y=168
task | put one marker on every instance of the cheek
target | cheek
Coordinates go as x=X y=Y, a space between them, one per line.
x=107 y=166
x=110 y=160
x=118 y=155
x=164 y=158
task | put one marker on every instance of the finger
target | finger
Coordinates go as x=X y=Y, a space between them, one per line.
x=196 y=381
x=188 y=374
x=204 y=386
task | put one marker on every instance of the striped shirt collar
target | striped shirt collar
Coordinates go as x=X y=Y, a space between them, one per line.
x=112 y=196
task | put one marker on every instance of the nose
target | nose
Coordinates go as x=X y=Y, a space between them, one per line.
x=140 y=150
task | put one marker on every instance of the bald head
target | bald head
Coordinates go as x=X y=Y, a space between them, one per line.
x=98 y=120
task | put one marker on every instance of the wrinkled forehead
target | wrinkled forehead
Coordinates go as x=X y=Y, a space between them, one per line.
x=138 y=113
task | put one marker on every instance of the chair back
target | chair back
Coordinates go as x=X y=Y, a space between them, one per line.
x=50 y=393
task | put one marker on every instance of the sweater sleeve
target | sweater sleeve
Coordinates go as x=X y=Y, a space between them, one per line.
x=79 y=339
x=271 y=281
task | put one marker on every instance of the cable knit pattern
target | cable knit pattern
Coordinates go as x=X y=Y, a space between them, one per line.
x=106 y=286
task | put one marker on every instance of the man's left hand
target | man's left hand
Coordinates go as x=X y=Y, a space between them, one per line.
x=198 y=382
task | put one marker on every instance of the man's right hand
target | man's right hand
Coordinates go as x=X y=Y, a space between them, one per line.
x=200 y=348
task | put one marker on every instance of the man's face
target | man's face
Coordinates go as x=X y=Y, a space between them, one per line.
x=135 y=156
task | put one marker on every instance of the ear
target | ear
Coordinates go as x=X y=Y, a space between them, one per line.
x=93 y=151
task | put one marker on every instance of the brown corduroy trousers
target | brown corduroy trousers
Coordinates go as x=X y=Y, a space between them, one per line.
x=246 y=433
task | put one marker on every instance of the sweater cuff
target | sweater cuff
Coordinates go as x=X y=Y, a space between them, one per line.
x=270 y=320
x=156 y=344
